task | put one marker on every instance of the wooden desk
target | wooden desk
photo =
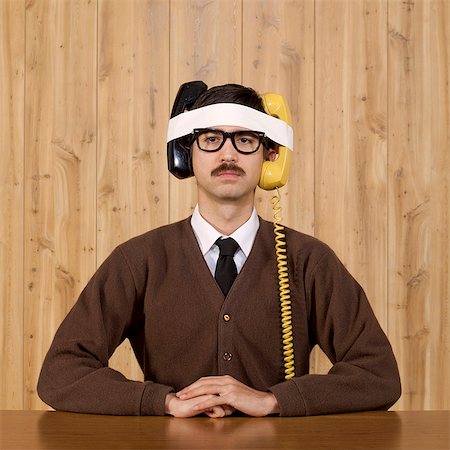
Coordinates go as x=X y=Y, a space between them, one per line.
x=369 y=430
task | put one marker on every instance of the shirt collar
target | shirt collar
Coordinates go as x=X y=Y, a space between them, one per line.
x=206 y=234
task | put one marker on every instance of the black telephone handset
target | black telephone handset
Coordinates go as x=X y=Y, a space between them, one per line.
x=178 y=156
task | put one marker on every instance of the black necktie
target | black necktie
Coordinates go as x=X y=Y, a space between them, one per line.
x=226 y=270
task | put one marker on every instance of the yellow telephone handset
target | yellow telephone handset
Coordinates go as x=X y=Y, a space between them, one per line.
x=274 y=174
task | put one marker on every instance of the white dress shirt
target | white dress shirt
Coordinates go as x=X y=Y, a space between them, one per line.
x=207 y=235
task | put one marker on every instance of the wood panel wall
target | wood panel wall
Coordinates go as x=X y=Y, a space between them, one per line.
x=85 y=93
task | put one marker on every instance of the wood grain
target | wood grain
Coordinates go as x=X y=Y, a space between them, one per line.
x=419 y=182
x=132 y=122
x=86 y=91
x=351 y=148
x=12 y=26
x=350 y=140
x=412 y=430
x=205 y=44
x=60 y=184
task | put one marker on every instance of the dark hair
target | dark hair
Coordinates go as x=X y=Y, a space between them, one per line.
x=230 y=93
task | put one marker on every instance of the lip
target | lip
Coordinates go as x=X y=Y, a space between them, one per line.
x=229 y=174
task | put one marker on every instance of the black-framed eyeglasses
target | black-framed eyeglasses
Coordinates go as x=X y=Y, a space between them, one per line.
x=212 y=140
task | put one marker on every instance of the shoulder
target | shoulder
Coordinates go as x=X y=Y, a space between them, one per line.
x=156 y=242
x=313 y=260
x=165 y=231
x=299 y=245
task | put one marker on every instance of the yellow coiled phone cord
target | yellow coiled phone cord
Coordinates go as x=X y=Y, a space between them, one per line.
x=283 y=283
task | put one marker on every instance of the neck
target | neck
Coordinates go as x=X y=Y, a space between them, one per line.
x=225 y=217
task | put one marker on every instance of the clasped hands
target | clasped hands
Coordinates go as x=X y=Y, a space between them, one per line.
x=220 y=396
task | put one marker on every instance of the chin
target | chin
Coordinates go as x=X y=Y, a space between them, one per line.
x=234 y=196
x=228 y=193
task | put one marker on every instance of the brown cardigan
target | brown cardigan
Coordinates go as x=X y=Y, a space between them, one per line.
x=157 y=291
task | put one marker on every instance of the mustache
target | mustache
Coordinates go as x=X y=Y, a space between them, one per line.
x=227 y=167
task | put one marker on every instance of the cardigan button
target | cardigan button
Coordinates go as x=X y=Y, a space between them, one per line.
x=226 y=317
x=227 y=356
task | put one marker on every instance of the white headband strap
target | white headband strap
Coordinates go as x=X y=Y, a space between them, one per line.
x=230 y=114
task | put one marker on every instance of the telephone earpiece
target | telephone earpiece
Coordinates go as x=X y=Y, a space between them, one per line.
x=275 y=173
x=179 y=156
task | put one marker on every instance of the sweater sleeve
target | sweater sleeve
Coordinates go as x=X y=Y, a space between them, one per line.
x=364 y=375
x=75 y=375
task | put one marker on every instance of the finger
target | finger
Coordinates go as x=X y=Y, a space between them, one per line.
x=210 y=403
x=216 y=412
x=203 y=389
x=222 y=379
x=228 y=410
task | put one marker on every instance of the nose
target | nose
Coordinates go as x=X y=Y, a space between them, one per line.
x=228 y=152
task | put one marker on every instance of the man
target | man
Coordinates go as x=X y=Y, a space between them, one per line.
x=211 y=346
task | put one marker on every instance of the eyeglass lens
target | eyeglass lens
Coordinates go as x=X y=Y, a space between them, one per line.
x=244 y=141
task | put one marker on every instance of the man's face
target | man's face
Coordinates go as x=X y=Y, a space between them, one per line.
x=227 y=175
